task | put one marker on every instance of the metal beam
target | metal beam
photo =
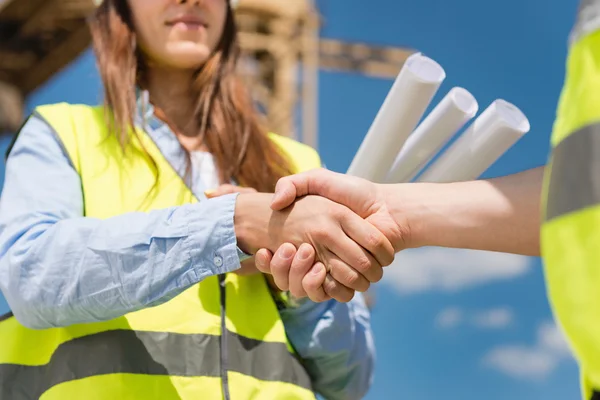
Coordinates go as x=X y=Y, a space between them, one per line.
x=375 y=61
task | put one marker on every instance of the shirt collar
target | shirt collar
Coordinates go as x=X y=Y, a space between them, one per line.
x=145 y=116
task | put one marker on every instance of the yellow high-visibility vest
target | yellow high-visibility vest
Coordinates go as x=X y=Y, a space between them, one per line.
x=570 y=235
x=221 y=339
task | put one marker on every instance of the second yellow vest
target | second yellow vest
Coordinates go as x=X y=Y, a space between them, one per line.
x=570 y=236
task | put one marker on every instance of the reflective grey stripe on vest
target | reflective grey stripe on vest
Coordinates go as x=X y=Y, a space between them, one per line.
x=588 y=19
x=575 y=175
x=151 y=353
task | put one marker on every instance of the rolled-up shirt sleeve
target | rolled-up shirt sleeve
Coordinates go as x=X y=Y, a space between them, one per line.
x=58 y=268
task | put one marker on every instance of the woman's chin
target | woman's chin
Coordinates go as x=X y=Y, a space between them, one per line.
x=187 y=57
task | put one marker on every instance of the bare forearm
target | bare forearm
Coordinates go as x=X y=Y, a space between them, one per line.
x=501 y=214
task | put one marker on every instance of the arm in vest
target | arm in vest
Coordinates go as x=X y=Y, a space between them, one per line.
x=58 y=268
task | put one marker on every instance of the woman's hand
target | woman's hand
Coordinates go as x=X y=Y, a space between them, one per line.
x=295 y=271
x=350 y=249
x=248 y=267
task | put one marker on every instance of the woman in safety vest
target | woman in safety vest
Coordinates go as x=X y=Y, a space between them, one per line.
x=118 y=268
x=502 y=214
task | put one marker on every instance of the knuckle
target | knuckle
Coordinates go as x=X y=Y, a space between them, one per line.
x=352 y=279
x=316 y=293
x=337 y=291
x=321 y=232
x=310 y=286
x=389 y=259
x=364 y=264
x=347 y=297
x=378 y=275
x=338 y=212
x=331 y=286
x=376 y=240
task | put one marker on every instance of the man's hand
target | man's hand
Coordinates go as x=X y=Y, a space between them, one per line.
x=352 y=250
x=365 y=198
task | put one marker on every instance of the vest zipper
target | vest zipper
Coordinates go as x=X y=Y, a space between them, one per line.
x=223 y=352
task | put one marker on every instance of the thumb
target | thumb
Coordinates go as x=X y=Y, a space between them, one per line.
x=350 y=191
x=285 y=193
x=291 y=187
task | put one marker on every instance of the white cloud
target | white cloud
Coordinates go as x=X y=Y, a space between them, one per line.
x=531 y=362
x=436 y=268
x=449 y=318
x=522 y=361
x=494 y=318
x=552 y=339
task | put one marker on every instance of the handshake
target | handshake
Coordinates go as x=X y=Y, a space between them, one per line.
x=327 y=235
x=322 y=235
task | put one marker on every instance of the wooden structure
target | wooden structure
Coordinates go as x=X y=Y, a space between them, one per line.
x=280 y=39
x=39 y=37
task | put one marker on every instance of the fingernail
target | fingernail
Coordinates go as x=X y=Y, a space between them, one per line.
x=259 y=259
x=304 y=252
x=275 y=198
x=316 y=270
x=209 y=192
x=286 y=252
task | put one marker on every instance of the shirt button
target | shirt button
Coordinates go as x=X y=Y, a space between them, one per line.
x=218 y=261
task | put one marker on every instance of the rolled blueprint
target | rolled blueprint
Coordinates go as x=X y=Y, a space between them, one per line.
x=410 y=95
x=500 y=126
x=448 y=117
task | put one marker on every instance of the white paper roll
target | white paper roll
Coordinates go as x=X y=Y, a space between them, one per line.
x=448 y=117
x=405 y=104
x=500 y=126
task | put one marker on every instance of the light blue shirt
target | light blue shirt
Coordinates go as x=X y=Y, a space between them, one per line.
x=58 y=267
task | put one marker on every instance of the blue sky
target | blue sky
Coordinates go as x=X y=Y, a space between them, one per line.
x=449 y=324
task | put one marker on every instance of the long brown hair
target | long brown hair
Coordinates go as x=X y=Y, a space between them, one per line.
x=225 y=115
